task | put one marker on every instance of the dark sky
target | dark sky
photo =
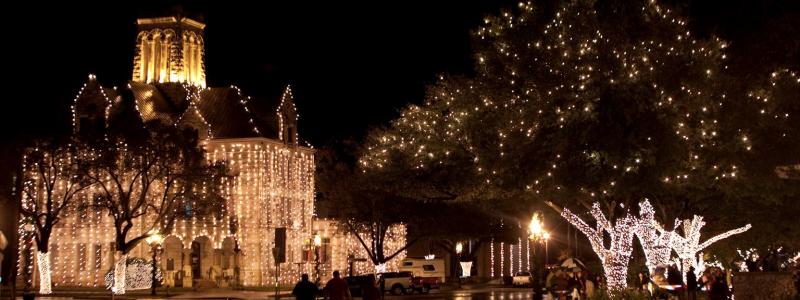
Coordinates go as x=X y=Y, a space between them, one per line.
x=352 y=65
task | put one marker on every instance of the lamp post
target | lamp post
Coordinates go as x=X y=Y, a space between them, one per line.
x=546 y=237
x=537 y=235
x=154 y=240
x=317 y=244
x=459 y=249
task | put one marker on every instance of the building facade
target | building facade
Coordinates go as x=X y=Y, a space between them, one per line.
x=272 y=188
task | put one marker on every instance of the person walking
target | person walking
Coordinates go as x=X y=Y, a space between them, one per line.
x=304 y=289
x=337 y=288
x=691 y=284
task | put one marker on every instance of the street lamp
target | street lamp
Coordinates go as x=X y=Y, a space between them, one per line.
x=537 y=235
x=317 y=244
x=154 y=240
x=459 y=249
x=546 y=237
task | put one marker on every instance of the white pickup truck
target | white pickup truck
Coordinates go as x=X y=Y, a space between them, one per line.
x=396 y=282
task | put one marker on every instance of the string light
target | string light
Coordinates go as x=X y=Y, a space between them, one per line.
x=491 y=258
x=615 y=258
x=139 y=276
x=656 y=242
x=688 y=246
x=287 y=110
x=43 y=262
x=273 y=187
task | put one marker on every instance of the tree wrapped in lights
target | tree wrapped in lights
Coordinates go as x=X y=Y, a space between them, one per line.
x=148 y=180
x=615 y=258
x=655 y=240
x=688 y=246
x=52 y=184
x=364 y=206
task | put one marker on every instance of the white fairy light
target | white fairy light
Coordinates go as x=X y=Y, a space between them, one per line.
x=616 y=257
x=45 y=272
x=138 y=276
x=119 y=276
x=655 y=241
x=688 y=245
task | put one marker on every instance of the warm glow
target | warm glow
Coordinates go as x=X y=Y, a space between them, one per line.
x=459 y=247
x=155 y=238
x=535 y=228
x=317 y=240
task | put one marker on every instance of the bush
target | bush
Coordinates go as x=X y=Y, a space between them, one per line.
x=138 y=275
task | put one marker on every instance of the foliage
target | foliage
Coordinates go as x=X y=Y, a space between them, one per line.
x=139 y=274
x=161 y=173
x=598 y=101
x=53 y=182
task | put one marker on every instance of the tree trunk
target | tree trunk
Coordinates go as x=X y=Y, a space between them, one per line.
x=380 y=268
x=616 y=269
x=45 y=272
x=120 y=268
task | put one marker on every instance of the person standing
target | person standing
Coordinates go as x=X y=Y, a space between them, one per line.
x=644 y=280
x=304 y=289
x=369 y=291
x=691 y=284
x=719 y=289
x=337 y=288
x=589 y=284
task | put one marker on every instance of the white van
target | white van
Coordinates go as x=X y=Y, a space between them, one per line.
x=425 y=268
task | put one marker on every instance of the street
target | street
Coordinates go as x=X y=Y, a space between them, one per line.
x=473 y=294
x=484 y=293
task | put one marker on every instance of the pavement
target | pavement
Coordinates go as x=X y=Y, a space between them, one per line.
x=473 y=292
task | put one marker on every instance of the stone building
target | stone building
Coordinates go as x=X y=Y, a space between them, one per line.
x=273 y=186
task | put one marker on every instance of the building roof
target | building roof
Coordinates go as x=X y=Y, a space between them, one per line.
x=224 y=110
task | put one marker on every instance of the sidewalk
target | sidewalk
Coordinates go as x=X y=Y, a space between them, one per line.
x=232 y=294
x=97 y=293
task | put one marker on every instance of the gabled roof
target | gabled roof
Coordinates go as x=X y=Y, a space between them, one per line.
x=192 y=118
x=92 y=93
x=152 y=103
x=225 y=109
x=221 y=112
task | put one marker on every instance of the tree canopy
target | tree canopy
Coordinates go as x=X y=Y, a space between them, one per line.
x=598 y=101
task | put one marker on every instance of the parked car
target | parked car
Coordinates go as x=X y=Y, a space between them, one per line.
x=356 y=283
x=420 y=267
x=521 y=279
x=396 y=282
x=423 y=285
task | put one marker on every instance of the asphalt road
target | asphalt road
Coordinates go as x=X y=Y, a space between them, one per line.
x=484 y=293
x=472 y=294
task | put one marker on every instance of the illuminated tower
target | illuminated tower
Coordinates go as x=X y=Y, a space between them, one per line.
x=169 y=49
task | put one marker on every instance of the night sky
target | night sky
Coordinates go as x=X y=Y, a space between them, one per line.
x=351 y=65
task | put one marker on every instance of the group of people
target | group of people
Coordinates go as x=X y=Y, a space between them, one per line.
x=335 y=289
x=572 y=285
x=580 y=285
x=713 y=282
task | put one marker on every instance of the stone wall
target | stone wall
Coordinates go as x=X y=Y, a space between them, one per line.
x=763 y=285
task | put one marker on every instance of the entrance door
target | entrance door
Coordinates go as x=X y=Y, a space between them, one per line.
x=196 y=268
